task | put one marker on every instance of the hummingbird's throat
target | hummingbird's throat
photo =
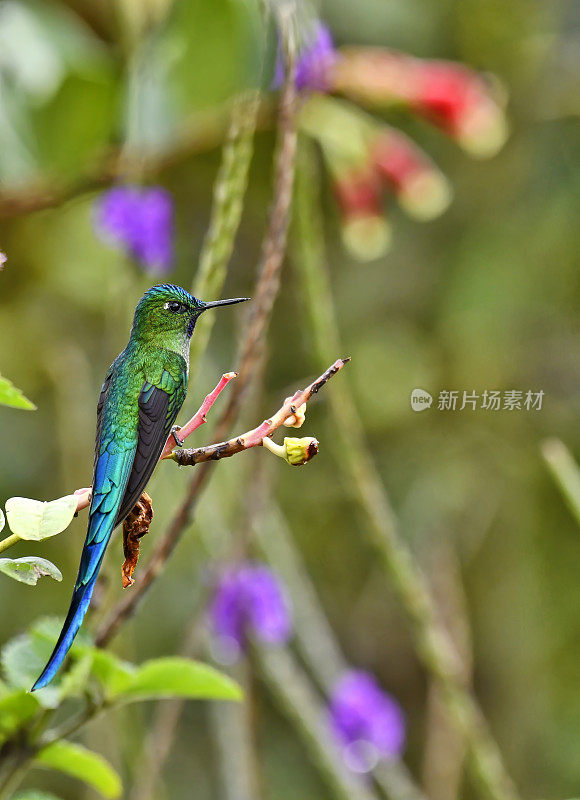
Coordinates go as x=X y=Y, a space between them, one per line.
x=191 y=326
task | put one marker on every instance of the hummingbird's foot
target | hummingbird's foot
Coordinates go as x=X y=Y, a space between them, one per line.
x=174 y=431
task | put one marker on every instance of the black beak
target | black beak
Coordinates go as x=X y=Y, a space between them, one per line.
x=214 y=303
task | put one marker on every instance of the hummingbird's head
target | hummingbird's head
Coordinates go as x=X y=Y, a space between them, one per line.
x=170 y=310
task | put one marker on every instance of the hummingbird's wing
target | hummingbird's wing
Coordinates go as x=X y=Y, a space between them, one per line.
x=158 y=408
x=123 y=465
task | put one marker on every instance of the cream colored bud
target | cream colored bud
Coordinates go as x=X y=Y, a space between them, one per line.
x=297 y=418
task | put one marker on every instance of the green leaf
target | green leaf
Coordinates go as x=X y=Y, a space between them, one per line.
x=209 y=51
x=176 y=677
x=110 y=671
x=11 y=396
x=24 y=657
x=16 y=708
x=57 y=85
x=29 y=569
x=40 y=42
x=81 y=763
x=32 y=794
x=45 y=631
x=22 y=663
x=35 y=520
x=75 y=124
x=74 y=681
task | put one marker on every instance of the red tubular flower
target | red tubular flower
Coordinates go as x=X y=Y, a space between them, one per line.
x=420 y=187
x=459 y=101
x=365 y=231
x=451 y=96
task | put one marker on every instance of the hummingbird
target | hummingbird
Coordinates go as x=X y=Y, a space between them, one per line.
x=143 y=391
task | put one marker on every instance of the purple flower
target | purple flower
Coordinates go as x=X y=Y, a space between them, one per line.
x=141 y=221
x=316 y=59
x=249 y=599
x=3 y=260
x=367 y=722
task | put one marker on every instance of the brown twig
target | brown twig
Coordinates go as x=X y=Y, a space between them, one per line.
x=198 y=135
x=432 y=643
x=254 y=438
x=274 y=245
x=266 y=289
x=113 y=165
x=444 y=748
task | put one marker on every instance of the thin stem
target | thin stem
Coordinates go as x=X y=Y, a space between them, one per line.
x=315 y=638
x=432 y=642
x=266 y=289
x=9 y=541
x=200 y=416
x=565 y=472
x=228 y=199
x=293 y=693
x=15 y=774
x=73 y=724
x=28 y=752
x=235 y=741
x=444 y=748
x=274 y=244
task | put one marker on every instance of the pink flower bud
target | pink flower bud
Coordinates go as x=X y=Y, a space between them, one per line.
x=365 y=231
x=451 y=96
x=459 y=101
x=358 y=193
x=420 y=187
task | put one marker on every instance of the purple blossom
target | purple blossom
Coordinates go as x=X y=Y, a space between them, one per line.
x=367 y=722
x=3 y=260
x=141 y=221
x=249 y=599
x=316 y=59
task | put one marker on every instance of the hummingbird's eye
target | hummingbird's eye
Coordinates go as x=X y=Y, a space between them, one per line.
x=175 y=307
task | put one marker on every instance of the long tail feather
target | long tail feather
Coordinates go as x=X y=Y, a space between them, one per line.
x=76 y=613
x=110 y=480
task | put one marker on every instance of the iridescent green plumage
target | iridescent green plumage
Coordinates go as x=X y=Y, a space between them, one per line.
x=140 y=399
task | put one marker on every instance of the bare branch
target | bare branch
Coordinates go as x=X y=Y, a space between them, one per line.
x=254 y=438
x=199 y=418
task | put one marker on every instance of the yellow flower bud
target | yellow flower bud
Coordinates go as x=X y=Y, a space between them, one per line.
x=300 y=451
x=295 y=451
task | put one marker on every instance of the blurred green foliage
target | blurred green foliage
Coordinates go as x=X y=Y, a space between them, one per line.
x=487 y=297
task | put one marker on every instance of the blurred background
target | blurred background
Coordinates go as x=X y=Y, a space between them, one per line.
x=485 y=297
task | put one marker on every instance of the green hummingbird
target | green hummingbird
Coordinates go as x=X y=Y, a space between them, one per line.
x=144 y=389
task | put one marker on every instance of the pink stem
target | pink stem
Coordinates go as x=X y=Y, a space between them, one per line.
x=199 y=417
x=84 y=498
